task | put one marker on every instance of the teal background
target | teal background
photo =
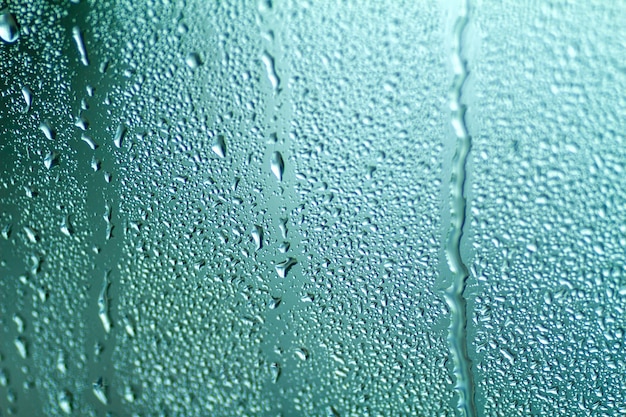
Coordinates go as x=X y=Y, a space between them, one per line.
x=355 y=96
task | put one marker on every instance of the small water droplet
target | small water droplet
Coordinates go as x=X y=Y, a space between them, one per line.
x=9 y=29
x=193 y=60
x=277 y=165
x=275 y=371
x=219 y=146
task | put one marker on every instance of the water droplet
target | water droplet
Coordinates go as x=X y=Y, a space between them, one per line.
x=47 y=130
x=282 y=268
x=219 y=146
x=61 y=366
x=275 y=371
x=103 y=304
x=275 y=302
x=66 y=227
x=64 y=399
x=6 y=231
x=19 y=323
x=81 y=122
x=268 y=61
x=80 y=44
x=99 y=390
x=31 y=234
x=28 y=98
x=120 y=133
x=95 y=163
x=302 y=354
x=51 y=159
x=193 y=60
x=277 y=165
x=257 y=236
x=129 y=395
x=284 y=247
x=9 y=29
x=89 y=141
x=20 y=345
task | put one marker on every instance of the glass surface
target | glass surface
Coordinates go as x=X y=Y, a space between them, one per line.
x=316 y=208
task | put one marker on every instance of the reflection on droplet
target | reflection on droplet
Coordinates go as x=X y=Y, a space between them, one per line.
x=9 y=29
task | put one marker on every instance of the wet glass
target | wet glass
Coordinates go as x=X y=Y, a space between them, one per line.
x=316 y=208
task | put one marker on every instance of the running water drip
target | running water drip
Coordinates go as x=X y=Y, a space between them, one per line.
x=457 y=335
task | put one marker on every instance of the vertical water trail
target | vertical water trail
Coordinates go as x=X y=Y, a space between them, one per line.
x=457 y=337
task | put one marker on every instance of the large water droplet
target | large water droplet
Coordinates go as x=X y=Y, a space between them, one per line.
x=277 y=165
x=120 y=132
x=219 y=146
x=282 y=268
x=80 y=44
x=28 y=98
x=268 y=61
x=9 y=29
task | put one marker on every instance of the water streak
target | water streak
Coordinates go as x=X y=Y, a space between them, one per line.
x=457 y=336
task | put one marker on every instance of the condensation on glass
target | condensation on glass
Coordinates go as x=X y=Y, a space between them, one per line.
x=334 y=208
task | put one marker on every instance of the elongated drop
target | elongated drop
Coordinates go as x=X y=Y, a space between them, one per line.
x=80 y=44
x=277 y=165
x=120 y=133
x=282 y=268
x=257 y=237
x=219 y=146
x=268 y=61
x=28 y=98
